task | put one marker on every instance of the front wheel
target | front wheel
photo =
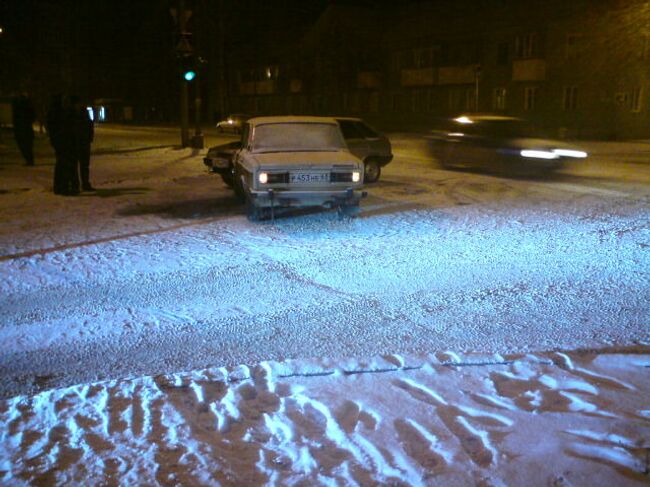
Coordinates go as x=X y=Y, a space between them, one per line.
x=372 y=171
x=254 y=213
x=238 y=186
x=228 y=178
x=348 y=211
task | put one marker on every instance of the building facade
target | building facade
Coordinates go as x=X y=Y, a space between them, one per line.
x=577 y=69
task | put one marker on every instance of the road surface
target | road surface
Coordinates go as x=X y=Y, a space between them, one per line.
x=159 y=270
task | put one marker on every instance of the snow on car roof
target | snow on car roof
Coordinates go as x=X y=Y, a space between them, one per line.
x=290 y=119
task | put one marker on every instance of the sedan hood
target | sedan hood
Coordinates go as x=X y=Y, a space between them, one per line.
x=312 y=160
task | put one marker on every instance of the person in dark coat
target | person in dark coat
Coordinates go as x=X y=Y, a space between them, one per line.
x=24 y=116
x=62 y=130
x=85 y=132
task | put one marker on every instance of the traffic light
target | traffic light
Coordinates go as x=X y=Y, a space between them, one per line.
x=189 y=75
x=188 y=68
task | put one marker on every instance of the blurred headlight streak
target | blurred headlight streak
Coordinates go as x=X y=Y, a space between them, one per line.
x=463 y=119
x=570 y=153
x=539 y=154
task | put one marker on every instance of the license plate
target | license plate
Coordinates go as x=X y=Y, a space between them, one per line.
x=309 y=177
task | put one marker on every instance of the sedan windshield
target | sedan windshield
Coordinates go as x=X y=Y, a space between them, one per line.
x=297 y=137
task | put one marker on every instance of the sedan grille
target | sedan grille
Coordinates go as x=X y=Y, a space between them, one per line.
x=341 y=177
x=278 y=178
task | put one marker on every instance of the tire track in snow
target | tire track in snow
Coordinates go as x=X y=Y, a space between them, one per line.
x=126 y=236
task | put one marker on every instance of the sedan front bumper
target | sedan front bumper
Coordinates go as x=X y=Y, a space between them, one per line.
x=287 y=198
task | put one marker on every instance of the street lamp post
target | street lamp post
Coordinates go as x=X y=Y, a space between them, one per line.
x=183 y=50
x=197 y=139
x=477 y=77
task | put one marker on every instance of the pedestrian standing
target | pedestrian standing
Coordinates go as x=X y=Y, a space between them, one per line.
x=23 y=117
x=85 y=132
x=61 y=127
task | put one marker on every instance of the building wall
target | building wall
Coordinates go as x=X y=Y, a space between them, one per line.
x=577 y=69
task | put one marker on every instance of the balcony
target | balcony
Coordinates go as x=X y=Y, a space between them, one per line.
x=529 y=70
x=368 y=80
x=418 y=77
x=457 y=75
x=266 y=87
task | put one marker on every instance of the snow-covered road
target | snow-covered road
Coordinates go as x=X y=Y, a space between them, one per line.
x=159 y=271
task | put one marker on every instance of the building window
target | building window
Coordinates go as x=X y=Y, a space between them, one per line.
x=271 y=72
x=574 y=43
x=451 y=55
x=433 y=106
x=629 y=100
x=461 y=99
x=470 y=99
x=373 y=102
x=247 y=76
x=405 y=59
x=644 y=54
x=499 y=99
x=527 y=46
x=570 y=98
x=423 y=57
x=420 y=100
x=636 y=100
x=530 y=97
x=395 y=102
x=397 y=62
x=502 y=53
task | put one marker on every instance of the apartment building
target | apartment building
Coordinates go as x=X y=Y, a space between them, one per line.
x=577 y=69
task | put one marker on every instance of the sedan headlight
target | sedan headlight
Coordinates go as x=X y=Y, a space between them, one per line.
x=570 y=153
x=539 y=154
x=356 y=176
x=263 y=177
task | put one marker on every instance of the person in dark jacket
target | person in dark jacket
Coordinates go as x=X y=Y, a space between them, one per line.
x=84 y=132
x=23 y=117
x=62 y=130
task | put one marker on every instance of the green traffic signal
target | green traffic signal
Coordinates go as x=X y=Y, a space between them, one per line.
x=189 y=75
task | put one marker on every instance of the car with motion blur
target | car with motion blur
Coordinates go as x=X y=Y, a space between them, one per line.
x=372 y=147
x=290 y=161
x=501 y=144
x=233 y=123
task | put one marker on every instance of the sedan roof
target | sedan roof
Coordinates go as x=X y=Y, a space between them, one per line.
x=290 y=119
